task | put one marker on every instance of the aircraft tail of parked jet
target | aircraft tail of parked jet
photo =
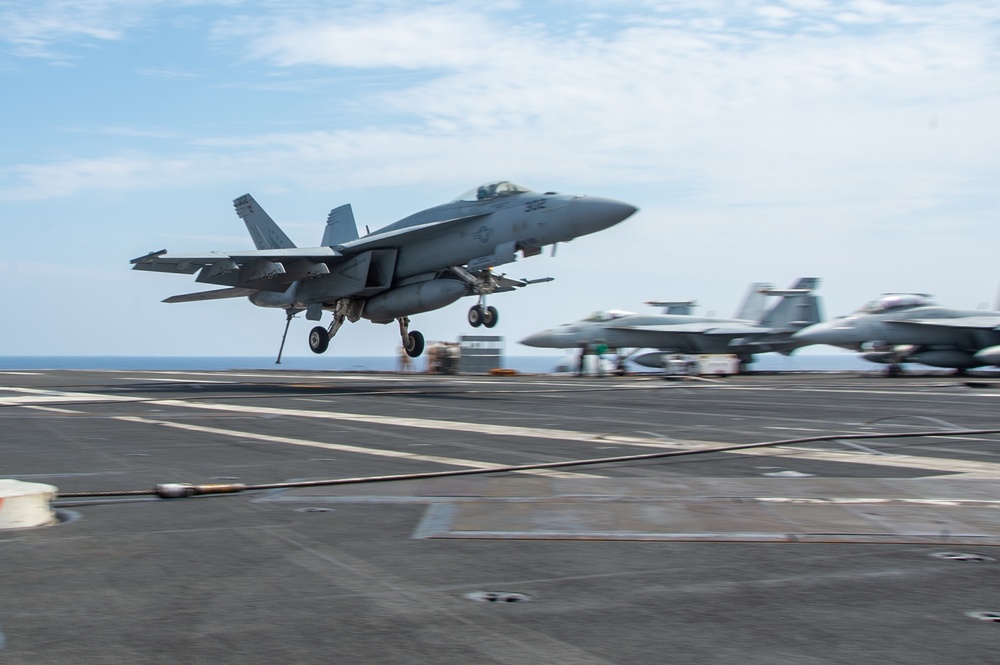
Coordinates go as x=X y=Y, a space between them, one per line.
x=265 y=233
x=754 y=303
x=799 y=306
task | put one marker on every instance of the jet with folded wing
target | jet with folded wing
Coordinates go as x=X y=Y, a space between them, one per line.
x=909 y=327
x=420 y=263
x=756 y=328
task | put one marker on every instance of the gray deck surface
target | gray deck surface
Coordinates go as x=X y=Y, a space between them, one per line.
x=832 y=552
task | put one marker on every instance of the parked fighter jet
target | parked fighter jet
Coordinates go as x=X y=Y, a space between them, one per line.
x=908 y=327
x=755 y=330
x=422 y=262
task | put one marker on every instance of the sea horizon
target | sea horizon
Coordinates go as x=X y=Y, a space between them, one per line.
x=539 y=364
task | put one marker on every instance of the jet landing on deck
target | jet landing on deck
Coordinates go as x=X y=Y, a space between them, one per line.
x=420 y=263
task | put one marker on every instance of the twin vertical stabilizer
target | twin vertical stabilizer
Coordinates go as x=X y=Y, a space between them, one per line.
x=263 y=230
x=798 y=307
x=340 y=226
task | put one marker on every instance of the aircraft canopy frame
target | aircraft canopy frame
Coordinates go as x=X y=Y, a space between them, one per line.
x=493 y=190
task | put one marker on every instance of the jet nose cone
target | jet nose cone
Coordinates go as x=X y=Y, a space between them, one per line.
x=542 y=340
x=818 y=333
x=594 y=213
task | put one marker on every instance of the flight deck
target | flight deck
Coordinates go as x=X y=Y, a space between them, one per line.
x=867 y=533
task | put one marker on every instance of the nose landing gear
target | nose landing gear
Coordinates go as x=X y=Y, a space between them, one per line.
x=483 y=316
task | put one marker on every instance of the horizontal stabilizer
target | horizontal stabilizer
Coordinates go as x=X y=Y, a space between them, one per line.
x=215 y=294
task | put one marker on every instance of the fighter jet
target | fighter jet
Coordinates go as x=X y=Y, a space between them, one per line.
x=422 y=262
x=909 y=327
x=754 y=330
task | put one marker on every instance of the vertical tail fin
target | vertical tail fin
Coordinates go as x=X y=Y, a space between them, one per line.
x=263 y=230
x=340 y=226
x=752 y=307
x=797 y=308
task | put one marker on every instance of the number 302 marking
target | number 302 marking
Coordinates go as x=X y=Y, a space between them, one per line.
x=537 y=204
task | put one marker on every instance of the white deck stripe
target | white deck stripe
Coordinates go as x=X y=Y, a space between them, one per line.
x=948 y=465
x=979 y=469
x=359 y=450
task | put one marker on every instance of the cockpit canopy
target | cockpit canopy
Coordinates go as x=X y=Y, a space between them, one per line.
x=892 y=301
x=492 y=190
x=608 y=315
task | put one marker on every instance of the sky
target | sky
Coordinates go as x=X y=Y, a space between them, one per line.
x=854 y=141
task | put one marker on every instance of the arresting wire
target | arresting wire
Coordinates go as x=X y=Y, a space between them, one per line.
x=181 y=490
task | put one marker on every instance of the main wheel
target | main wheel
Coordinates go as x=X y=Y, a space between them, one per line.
x=490 y=316
x=894 y=370
x=414 y=344
x=319 y=339
x=476 y=316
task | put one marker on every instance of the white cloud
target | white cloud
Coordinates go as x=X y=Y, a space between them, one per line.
x=52 y=28
x=111 y=174
x=449 y=37
x=739 y=131
x=33 y=28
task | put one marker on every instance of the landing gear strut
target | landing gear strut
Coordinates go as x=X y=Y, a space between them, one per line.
x=346 y=309
x=413 y=341
x=482 y=284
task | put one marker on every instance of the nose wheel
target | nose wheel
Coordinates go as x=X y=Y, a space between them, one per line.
x=483 y=316
x=319 y=339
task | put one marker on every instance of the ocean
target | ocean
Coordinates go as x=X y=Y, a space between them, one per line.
x=770 y=362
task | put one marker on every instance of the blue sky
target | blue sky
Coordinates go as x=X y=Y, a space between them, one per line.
x=854 y=141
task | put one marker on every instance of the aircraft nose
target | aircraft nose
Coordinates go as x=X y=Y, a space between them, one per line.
x=594 y=213
x=542 y=340
x=818 y=333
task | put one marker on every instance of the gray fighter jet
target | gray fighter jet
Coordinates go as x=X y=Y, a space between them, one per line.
x=420 y=263
x=908 y=327
x=754 y=330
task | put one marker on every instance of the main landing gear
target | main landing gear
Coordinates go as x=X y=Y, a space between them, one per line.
x=346 y=309
x=413 y=340
x=319 y=339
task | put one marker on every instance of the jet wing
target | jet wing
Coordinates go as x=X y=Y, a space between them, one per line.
x=984 y=322
x=393 y=238
x=188 y=264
